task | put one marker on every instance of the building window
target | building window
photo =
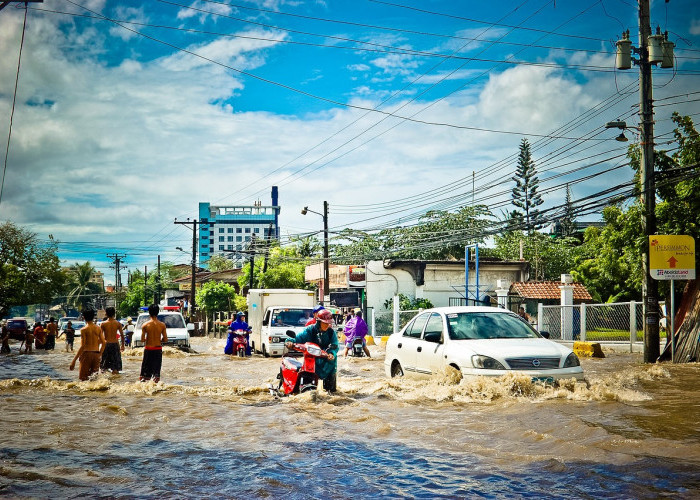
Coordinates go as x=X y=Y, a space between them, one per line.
x=221 y=247
x=247 y=230
x=239 y=230
x=256 y=230
x=205 y=255
x=239 y=238
x=247 y=238
x=230 y=247
x=221 y=229
x=230 y=238
x=221 y=238
x=230 y=230
x=239 y=247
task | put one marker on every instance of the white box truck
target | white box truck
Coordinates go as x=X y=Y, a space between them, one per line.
x=275 y=314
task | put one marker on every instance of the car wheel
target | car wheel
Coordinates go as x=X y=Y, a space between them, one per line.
x=396 y=370
x=264 y=351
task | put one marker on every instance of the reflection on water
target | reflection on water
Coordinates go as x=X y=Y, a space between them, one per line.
x=210 y=428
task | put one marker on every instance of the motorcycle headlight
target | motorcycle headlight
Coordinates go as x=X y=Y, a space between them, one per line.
x=486 y=362
x=314 y=351
x=571 y=361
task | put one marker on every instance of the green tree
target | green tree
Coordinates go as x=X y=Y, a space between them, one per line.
x=220 y=263
x=216 y=296
x=568 y=220
x=82 y=289
x=524 y=194
x=30 y=272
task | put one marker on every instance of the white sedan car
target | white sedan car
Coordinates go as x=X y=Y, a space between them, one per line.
x=477 y=341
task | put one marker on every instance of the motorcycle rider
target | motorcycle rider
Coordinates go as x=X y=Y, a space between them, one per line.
x=316 y=310
x=324 y=336
x=238 y=324
x=356 y=328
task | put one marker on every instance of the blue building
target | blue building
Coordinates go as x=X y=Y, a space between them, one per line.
x=225 y=229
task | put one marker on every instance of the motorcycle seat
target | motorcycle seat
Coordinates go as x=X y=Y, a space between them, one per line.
x=292 y=364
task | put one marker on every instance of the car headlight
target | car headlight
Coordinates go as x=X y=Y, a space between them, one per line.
x=571 y=361
x=486 y=363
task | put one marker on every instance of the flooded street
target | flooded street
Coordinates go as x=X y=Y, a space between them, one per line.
x=211 y=428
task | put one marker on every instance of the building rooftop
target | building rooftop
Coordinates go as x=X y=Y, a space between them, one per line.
x=548 y=290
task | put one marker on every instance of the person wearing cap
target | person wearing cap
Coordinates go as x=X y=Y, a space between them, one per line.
x=317 y=309
x=322 y=334
x=356 y=328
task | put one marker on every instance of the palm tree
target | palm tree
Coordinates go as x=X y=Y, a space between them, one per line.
x=81 y=287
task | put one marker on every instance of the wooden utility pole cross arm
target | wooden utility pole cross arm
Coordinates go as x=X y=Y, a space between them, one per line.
x=5 y=4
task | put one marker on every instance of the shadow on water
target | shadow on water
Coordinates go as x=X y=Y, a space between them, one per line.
x=324 y=469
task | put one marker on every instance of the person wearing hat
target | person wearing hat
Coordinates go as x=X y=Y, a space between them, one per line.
x=322 y=334
x=317 y=309
x=239 y=324
x=356 y=328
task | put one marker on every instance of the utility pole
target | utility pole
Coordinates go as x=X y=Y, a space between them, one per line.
x=650 y=290
x=326 y=285
x=116 y=261
x=193 y=282
x=145 y=285
x=156 y=298
x=252 y=263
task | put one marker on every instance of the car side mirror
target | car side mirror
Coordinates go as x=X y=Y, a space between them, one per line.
x=545 y=334
x=190 y=327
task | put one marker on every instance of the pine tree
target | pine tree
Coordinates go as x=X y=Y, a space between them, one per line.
x=568 y=221
x=525 y=195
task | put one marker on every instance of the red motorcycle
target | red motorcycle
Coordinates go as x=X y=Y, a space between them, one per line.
x=240 y=343
x=297 y=376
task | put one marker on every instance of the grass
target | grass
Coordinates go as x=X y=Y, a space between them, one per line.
x=608 y=334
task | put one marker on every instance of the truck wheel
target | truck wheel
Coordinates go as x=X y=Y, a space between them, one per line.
x=264 y=351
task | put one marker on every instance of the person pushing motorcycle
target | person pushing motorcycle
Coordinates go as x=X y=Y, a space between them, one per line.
x=324 y=335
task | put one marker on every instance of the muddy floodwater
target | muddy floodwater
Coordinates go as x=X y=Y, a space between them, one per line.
x=211 y=429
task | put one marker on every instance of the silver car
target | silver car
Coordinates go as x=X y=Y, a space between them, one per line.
x=477 y=341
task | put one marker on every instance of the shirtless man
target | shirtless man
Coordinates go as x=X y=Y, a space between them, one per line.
x=152 y=334
x=92 y=343
x=52 y=332
x=111 y=357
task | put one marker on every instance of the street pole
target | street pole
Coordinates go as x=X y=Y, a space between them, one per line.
x=193 y=271
x=326 y=287
x=145 y=285
x=650 y=289
x=252 y=263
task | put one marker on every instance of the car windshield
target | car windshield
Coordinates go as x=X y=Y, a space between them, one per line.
x=170 y=320
x=77 y=325
x=16 y=324
x=291 y=317
x=485 y=325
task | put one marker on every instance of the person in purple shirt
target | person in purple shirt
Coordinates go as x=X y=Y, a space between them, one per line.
x=356 y=328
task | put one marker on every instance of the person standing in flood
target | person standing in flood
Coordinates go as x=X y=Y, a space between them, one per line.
x=5 y=334
x=70 y=335
x=112 y=357
x=51 y=332
x=152 y=335
x=92 y=343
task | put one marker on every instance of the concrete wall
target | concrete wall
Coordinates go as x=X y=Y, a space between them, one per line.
x=441 y=281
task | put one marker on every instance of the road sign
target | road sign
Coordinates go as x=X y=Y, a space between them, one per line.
x=671 y=257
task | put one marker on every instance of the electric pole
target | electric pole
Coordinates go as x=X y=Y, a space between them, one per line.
x=326 y=277
x=5 y=4
x=193 y=282
x=116 y=261
x=650 y=290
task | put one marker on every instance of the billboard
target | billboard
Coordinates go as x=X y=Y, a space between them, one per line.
x=345 y=299
x=357 y=276
x=671 y=257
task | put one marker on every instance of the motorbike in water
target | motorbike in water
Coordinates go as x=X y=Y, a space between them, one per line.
x=357 y=348
x=298 y=376
x=236 y=343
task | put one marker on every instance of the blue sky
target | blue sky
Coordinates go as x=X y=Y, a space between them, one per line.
x=130 y=113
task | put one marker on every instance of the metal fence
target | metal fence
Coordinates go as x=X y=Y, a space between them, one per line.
x=618 y=322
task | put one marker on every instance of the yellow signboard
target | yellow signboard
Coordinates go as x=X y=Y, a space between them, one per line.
x=671 y=257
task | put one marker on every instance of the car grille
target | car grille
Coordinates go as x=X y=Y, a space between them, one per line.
x=533 y=363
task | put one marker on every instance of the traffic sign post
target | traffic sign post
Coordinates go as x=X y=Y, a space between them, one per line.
x=672 y=257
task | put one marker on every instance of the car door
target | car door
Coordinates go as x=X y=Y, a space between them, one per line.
x=407 y=345
x=430 y=348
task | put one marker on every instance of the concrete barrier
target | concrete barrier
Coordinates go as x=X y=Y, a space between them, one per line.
x=588 y=350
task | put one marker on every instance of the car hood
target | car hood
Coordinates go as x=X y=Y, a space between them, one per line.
x=509 y=348
x=173 y=333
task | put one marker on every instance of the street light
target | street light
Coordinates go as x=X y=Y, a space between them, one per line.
x=304 y=211
x=622 y=126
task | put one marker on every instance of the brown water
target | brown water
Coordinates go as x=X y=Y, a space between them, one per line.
x=211 y=428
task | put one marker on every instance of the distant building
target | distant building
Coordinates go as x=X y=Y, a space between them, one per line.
x=235 y=227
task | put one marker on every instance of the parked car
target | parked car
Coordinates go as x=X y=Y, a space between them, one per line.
x=477 y=341
x=18 y=328
x=178 y=332
x=76 y=324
